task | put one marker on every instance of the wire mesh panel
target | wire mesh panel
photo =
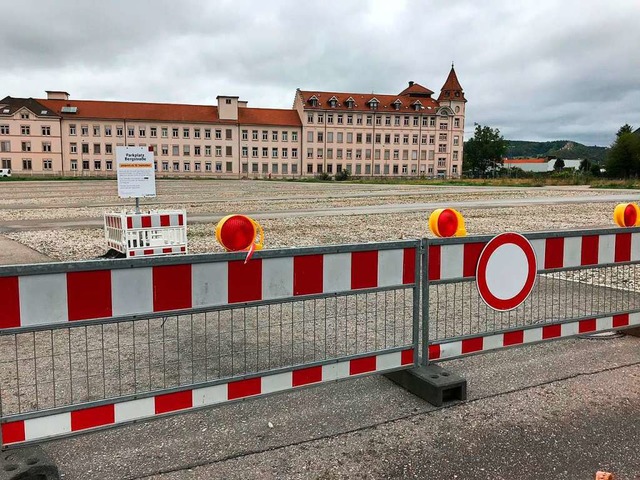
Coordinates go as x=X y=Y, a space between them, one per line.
x=288 y=319
x=587 y=281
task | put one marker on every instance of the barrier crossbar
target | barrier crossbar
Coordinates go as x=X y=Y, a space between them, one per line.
x=586 y=283
x=90 y=345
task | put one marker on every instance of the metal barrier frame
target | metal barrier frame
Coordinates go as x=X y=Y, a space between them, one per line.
x=17 y=429
x=463 y=345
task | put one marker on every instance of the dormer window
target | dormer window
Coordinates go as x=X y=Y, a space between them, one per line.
x=313 y=101
x=350 y=102
x=373 y=103
x=333 y=102
x=397 y=104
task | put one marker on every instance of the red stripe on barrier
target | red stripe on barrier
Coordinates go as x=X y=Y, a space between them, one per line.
x=129 y=222
x=183 y=249
x=362 y=365
x=408 y=266
x=13 y=432
x=585 y=326
x=434 y=352
x=167 y=250
x=589 y=251
x=471 y=255
x=554 y=253
x=364 y=269
x=180 y=219
x=513 y=338
x=307 y=274
x=165 y=220
x=621 y=320
x=305 y=376
x=471 y=345
x=93 y=417
x=623 y=247
x=170 y=402
x=146 y=221
x=406 y=357
x=10 y=310
x=551 y=331
x=171 y=287
x=435 y=254
x=245 y=280
x=244 y=388
x=89 y=294
x=149 y=251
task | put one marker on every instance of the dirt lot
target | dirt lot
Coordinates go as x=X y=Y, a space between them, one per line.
x=90 y=199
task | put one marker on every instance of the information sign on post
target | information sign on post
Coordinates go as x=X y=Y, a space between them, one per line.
x=136 y=174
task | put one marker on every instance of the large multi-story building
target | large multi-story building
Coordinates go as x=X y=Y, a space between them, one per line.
x=408 y=134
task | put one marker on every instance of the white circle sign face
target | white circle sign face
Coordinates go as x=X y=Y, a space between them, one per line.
x=506 y=271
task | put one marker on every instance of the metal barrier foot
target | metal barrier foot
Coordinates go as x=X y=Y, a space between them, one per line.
x=431 y=383
x=29 y=463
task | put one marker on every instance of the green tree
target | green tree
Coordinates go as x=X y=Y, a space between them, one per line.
x=558 y=165
x=585 y=166
x=623 y=160
x=484 y=151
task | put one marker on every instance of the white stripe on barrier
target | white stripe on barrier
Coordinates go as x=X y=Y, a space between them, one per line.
x=452 y=261
x=43 y=299
x=277 y=278
x=390 y=263
x=606 y=248
x=210 y=284
x=337 y=272
x=132 y=291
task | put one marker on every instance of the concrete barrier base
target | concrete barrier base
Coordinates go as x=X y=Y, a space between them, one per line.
x=28 y=463
x=431 y=383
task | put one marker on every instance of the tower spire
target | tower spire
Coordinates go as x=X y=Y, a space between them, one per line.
x=452 y=90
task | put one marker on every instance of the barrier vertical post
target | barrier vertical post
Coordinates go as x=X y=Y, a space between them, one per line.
x=424 y=250
x=416 y=302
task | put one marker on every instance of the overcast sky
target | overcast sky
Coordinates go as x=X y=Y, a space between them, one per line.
x=537 y=70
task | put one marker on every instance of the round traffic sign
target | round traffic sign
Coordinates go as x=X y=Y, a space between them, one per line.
x=506 y=271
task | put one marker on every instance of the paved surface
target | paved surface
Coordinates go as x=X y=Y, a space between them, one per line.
x=559 y=410
x=39 y=224
x=12 y=252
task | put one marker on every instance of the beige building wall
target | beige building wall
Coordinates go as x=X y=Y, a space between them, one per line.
x=270 y=151
x=30 y=144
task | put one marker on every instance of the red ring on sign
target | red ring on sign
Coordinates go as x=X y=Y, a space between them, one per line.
x=489 y=298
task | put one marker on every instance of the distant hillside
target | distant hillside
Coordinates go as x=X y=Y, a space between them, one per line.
x=564 y=149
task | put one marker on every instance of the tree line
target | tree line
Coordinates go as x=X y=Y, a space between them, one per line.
x=484 y=155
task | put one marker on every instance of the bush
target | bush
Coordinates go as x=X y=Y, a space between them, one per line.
x=342 y=175
x=323 y=176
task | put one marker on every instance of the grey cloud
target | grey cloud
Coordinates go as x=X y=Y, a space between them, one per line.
x=535 y=70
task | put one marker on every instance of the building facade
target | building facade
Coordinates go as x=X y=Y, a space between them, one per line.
x=408 y=134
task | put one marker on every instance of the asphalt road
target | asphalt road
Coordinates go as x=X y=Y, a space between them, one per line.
x=560 y=410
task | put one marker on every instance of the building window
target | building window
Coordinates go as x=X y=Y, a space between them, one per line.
x=153 y=131
x=274 y=168
x=218 y=151
x=4 y=130
x=175 y=150
x=404 y=169
x=96 y=148
x=6 y=163
x=265 y=135
x=285 y=152
x=229 y=151
x=285 y=168
x=254 y=152
x=26 y=164
x=97 y=165
x=442 y=148
x=207 y=150
x=454 y=169
x=187 y=166
x=414 y=139
x=24 y=116
x=131 y=131
x=218 y=167
x=229 y=167
x=432 y=121
x=175 y=133
x=72 y=129
x=196 y=166
x=368 y=138
x=294 y=136
x=254 y=134
x=320 y=137
x=444 y=126
x=330 y=118
x=254 y=168
x=349 y=119
x=229 y=134
x=294 y=153
x=309 y=117
x=119 y=131
x=26 y=146
x=46 y=130
x=442 y=137
x=274 y=152
x=320 y=153
x=164 y=132
x=245 y=134
x=185 y=132
x=285 y=137
x=176 y=166
x=309 y=168
x=207 y=134
x=207 y=166
x=196 y=150
x=186 y=150
x=47 y=164
x=320 y=118
x=73 y=147
x=46 y=146
x=25 y=130
x=196 y=133
x=74 y=164
x=85 y=164
x=405 y=139
x=165 y=166
x=432 y=139
x=245 y=151
x=455 y=155
x=274 y=136
x=456 y=140
x=265 y=152
x=109 y=165
x=456 y=123
x=340 y=117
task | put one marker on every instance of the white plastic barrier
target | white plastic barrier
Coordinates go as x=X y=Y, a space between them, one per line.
x=153 y=233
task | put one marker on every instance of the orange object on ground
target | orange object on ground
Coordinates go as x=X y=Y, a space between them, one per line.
x=447 y=222
x=604 y=476
x=626 y=215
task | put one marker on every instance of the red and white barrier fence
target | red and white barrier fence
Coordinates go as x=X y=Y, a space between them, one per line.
x=147 y=234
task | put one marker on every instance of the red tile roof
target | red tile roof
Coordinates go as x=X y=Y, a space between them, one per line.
x=451 y=87
x=136 y=111
x=385 y=104
x=268 y=116
x=415 y=89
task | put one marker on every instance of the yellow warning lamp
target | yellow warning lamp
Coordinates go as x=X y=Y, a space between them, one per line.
x=239 y=233
x=626 y=215
x=447 y=222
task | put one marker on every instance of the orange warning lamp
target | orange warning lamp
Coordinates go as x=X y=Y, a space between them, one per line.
x=447 y=222
x=238 y=233
x=626 y=215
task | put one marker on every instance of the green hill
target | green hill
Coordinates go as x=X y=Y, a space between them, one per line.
x=564 y=149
